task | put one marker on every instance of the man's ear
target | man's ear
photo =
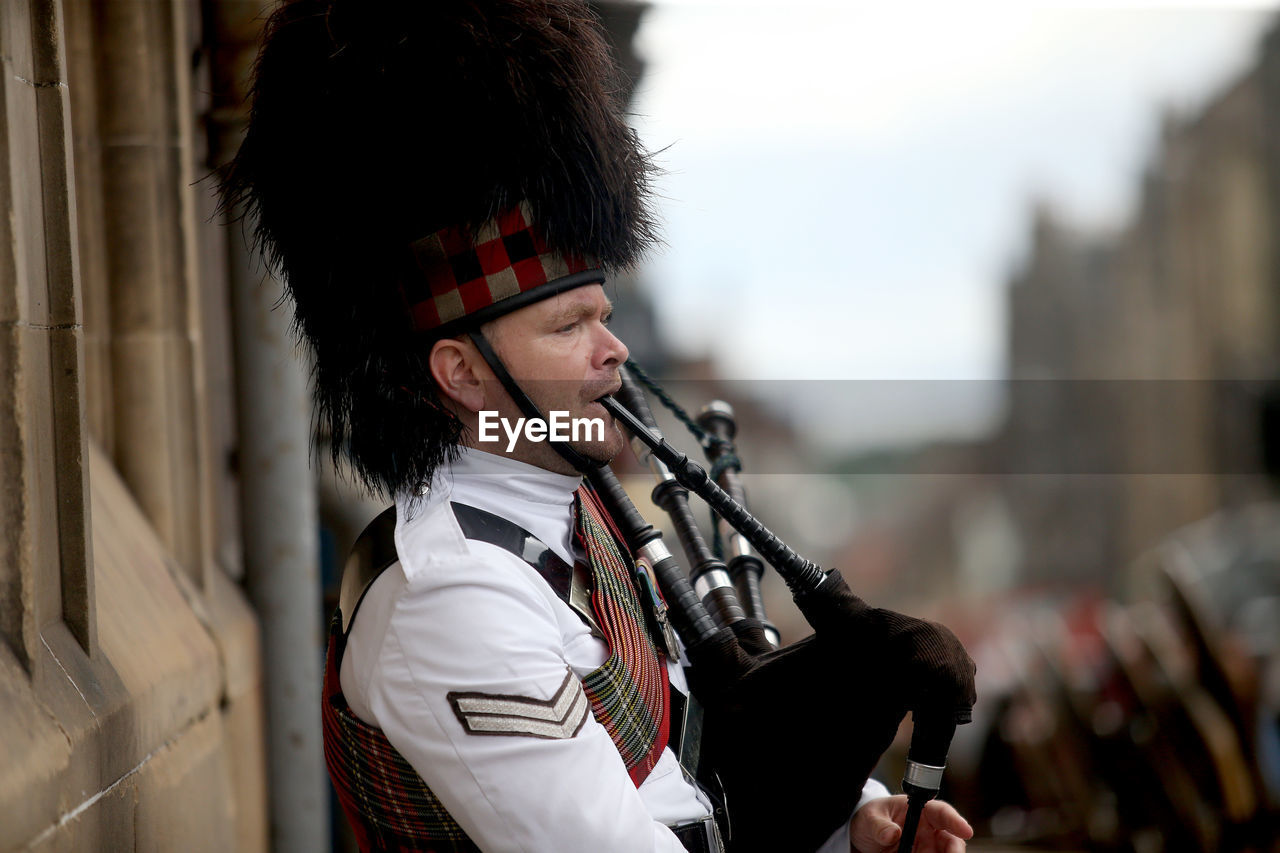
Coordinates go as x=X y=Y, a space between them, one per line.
x=452 y=363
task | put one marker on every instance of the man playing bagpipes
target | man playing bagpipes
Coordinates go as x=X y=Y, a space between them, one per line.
x=443 y=187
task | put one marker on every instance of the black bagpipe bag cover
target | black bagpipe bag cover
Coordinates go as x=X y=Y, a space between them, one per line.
x=794 y=733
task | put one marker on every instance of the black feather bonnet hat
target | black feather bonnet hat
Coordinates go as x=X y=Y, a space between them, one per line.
x=415 y=167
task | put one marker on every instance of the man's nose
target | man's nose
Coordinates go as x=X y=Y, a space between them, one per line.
x=611 y=350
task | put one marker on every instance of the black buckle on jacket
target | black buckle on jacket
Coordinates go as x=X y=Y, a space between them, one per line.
x=700 y=836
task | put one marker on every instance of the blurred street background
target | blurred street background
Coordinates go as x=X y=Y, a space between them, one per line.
x=994 y=289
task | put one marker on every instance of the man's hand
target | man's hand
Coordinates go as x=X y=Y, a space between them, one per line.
x=877 y=826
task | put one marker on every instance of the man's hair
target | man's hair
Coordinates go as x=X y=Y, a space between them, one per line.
x=376 y=122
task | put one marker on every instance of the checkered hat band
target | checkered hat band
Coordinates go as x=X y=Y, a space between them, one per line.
x=459 y=272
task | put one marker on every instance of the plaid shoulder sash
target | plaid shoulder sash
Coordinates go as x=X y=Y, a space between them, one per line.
x=629 y=693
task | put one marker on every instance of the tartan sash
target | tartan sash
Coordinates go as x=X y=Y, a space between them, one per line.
x=388 y=804
x=629 y=691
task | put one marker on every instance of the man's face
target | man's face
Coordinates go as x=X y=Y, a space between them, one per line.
x=563 y=356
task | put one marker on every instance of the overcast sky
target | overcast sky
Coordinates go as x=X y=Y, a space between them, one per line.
x=849 y=183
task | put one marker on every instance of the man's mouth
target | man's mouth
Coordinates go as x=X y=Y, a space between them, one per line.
x=597 y=404
x=610 y=392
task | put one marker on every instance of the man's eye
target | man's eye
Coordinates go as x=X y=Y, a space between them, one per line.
x=606 y=319
x=568 y=327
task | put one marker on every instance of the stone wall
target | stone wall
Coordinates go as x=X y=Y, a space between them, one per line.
x=130 y=679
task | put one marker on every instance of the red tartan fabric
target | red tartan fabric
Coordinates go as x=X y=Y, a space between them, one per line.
x=456 y=272
x=629 y=693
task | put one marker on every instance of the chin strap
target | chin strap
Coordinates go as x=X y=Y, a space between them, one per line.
x=527 y=406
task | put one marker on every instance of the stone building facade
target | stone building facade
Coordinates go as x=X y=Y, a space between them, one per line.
x=1141 y=391
x=130 y=677
x=1140 y=361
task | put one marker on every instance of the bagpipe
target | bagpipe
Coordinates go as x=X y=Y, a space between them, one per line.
x=791 y=733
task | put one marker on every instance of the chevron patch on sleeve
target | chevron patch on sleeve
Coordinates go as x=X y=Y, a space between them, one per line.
x=556 y=718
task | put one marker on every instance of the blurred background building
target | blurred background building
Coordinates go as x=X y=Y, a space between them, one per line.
x=169 y=546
